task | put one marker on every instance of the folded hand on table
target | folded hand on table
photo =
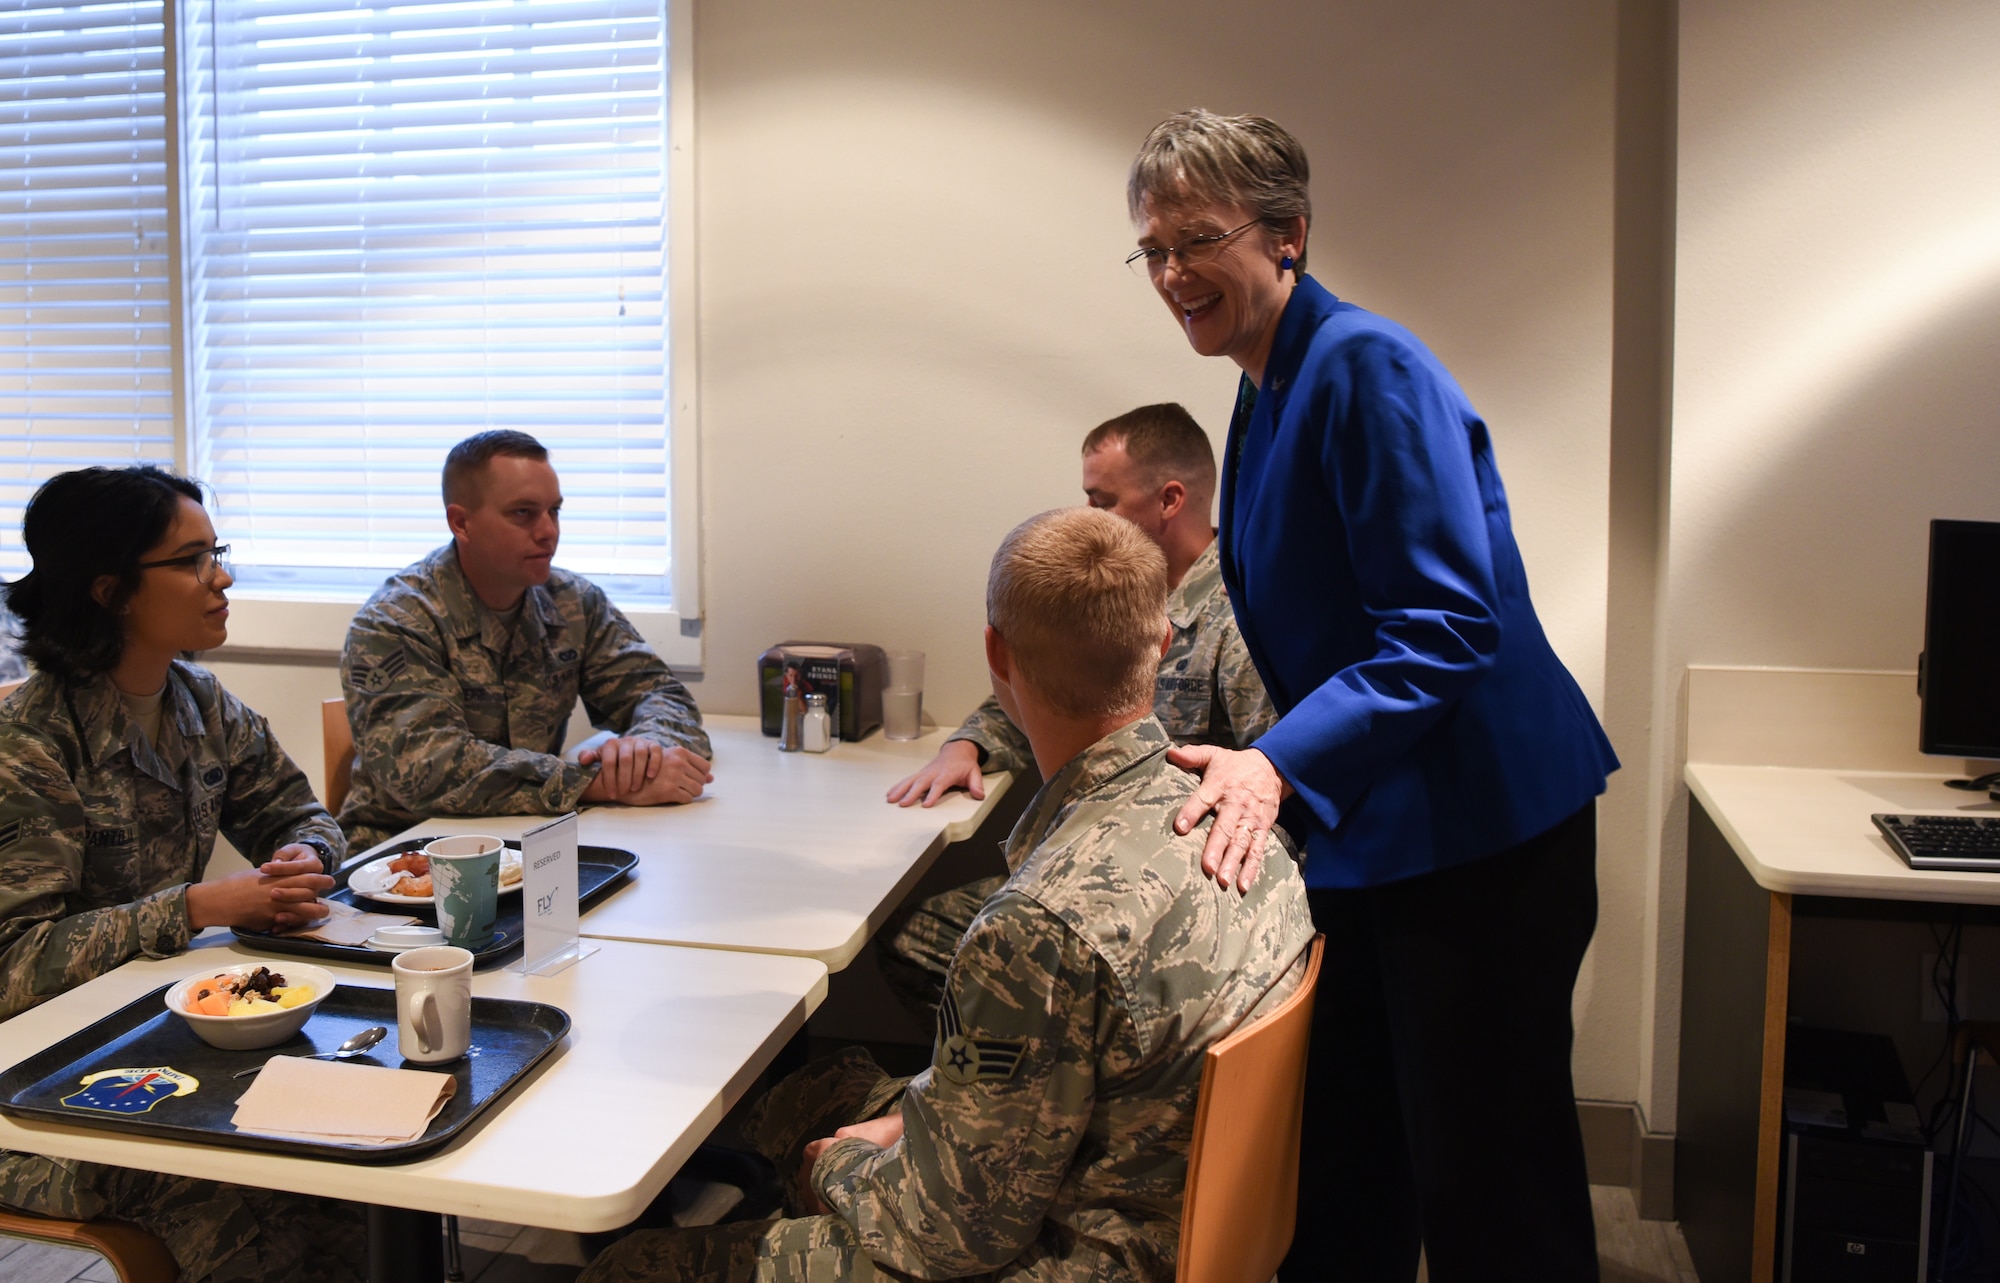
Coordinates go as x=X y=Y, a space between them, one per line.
x=956 y=766
x=283 y=893
x=1243 y=789
x=883 y=1132
x=642 y=772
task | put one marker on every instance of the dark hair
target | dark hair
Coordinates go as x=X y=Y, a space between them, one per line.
x=469 y=458
x=1164 y=443
x=79 y=527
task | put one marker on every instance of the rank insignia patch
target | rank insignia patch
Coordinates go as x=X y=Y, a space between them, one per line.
x=130 y=1091
x=966 y=1060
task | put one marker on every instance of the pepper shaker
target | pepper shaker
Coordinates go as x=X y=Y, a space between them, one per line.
x=791 y=733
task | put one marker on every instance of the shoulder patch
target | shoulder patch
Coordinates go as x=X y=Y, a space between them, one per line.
x=370 y=678
x=966 y=1060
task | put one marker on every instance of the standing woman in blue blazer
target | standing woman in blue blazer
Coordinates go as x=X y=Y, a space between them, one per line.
x=1436 y=758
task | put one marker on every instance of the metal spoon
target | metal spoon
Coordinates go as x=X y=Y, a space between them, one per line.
x=352 y=1047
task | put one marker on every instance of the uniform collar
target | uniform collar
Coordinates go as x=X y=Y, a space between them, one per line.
x=1123 y=749
x=470 y=617
x=107 y=726
x=1202 y=581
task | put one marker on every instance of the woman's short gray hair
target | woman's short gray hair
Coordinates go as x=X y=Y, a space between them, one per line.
x=1197 y=157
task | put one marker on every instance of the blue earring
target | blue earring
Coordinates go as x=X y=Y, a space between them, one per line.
x=1285 y=263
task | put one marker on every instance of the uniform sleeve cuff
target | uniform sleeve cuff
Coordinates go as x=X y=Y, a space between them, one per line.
x=836 y=1163
x=164 y=929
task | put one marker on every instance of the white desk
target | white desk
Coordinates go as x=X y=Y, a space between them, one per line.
x=1802 y=831
x=793 y=853
x=663 y=1042
x=1773 y=850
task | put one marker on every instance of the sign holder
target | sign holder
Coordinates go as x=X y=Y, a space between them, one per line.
x=549 y=913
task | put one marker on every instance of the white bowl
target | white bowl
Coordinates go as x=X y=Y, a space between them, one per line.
x=266 y=1028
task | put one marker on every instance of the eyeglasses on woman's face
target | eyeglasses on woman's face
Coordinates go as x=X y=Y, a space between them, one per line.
x=206 y=564
x=1192 y=252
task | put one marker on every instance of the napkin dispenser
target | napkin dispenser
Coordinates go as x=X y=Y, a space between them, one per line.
x=851 y=674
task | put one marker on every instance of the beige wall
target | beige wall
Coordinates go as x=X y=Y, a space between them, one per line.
x=911 y=221
x=1837 y=308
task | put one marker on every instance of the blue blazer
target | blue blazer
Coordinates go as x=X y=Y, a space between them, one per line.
x=1424 y=719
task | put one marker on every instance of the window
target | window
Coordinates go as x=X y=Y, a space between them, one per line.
x=86 y=347
x=399 y=225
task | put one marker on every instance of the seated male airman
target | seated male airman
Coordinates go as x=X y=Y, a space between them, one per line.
x=461 y=671
x=1049 y=1138
x=1154 y=467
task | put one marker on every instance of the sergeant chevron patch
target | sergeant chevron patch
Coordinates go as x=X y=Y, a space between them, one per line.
x=966 y=1060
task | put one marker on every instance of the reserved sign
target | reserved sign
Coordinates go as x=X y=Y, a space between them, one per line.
x=549 y=898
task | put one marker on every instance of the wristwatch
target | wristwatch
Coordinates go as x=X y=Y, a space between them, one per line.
x=327 y=858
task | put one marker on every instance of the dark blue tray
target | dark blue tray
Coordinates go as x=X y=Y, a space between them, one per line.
x=508 y=1038
x=600 y=870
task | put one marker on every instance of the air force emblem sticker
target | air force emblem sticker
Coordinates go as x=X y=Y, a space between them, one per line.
x=130 y=1091
x=966 y=1060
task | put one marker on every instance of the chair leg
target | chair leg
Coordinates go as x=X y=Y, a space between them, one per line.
x=454 y=1259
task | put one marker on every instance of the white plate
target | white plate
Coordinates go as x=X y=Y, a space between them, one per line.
x=371 y=878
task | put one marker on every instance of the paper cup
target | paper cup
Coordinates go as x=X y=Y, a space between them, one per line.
x=465 y=887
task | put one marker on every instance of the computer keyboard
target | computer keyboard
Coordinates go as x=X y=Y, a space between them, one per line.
x=1963 y=842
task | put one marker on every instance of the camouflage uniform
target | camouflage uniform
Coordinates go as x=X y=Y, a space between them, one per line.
x=457 y=712
x=1208 y=693
x=100 y=833
x=1208 y=690
x=1048 y=1140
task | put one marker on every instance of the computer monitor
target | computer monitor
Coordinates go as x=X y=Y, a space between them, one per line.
x=1958 y=675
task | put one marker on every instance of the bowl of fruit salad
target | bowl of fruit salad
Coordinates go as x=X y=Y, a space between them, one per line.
x=249 y=1006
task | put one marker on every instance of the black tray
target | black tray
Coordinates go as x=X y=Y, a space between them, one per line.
x=599 y=871
x=508 y=1038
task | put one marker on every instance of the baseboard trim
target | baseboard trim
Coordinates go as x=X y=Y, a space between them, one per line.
x=1618 y=1150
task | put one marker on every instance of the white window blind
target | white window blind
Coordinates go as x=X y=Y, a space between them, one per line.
x=410 y=223
x=86 y=364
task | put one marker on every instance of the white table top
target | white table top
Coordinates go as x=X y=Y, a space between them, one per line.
x=792 y=853
x=1806 y=831
x=663 y=1042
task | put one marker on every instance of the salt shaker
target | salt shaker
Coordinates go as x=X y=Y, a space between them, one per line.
x=792 y=731
x=816 y=735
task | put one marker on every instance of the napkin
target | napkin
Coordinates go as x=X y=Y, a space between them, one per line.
x=345 y=924
x=329 y=1102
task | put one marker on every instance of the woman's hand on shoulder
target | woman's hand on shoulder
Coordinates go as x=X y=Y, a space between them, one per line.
x=1243 y=789
x=283 y=893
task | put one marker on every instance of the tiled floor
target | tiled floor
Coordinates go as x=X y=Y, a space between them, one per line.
x=1630 y=1250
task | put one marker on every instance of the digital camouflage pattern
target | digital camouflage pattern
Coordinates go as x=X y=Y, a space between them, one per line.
x=1048 y=1141
x=215 y=1233
x=1208 y=690
x=101 y=831
x=458 y=711
x=1208 y=693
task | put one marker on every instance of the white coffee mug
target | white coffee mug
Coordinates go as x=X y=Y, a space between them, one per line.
x=433 y=1003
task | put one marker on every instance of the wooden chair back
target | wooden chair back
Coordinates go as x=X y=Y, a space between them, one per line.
x=1241 y=1204
x=337 y=738
x=8 y=688
x=135 y=1255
